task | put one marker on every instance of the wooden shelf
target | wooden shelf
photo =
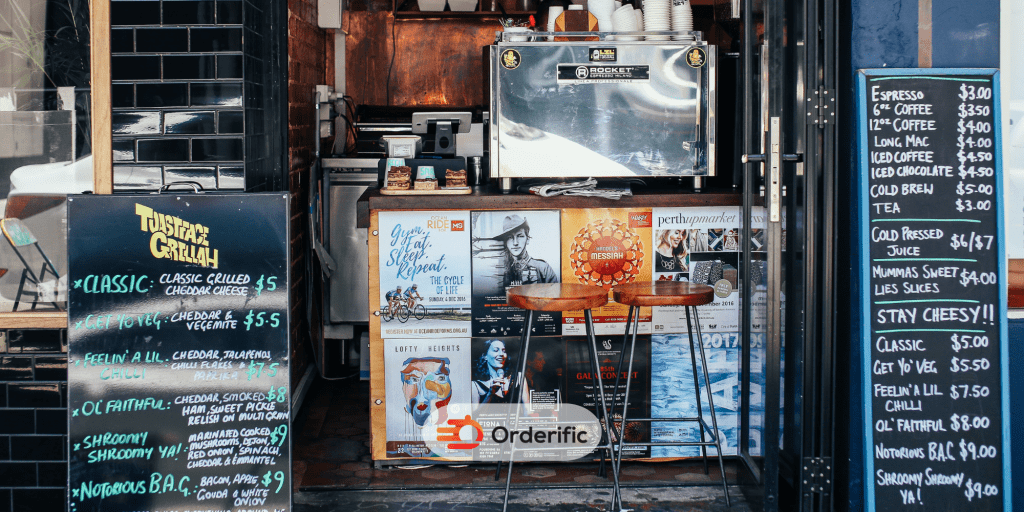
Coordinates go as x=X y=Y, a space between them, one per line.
x=426 y=15
x=409 y=9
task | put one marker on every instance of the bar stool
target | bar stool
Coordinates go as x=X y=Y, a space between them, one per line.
x=561 y=297
x=670 y=293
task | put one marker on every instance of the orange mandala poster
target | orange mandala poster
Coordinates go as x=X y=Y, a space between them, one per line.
x=605 y=247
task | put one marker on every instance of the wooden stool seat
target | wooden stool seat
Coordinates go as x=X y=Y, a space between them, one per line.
x=663 y=293
x=557 y=297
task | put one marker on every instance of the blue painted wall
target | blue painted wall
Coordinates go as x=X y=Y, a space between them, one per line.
x=884 y=34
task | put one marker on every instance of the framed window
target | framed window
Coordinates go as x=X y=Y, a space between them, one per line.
x=54 y=133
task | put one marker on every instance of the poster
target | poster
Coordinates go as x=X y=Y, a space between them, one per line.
x=425 y=282
x=510 y=249
x=495 y=363
x=580 y=385
x=606 y=247
x=673 y=394
x=421 y=376
x=698 y=245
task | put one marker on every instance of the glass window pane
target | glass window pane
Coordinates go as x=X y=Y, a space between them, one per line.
x=45 y=147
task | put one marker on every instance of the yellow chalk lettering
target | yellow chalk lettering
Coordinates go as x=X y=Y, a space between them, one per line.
x=145 y=213
x=158 y=245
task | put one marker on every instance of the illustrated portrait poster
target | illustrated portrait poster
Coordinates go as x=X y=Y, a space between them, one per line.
x=702 y=245
x=513 y=248
x=429 y=251
x=605 y=247
x=421 y=376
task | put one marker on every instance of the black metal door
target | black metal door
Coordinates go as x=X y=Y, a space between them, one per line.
x=785 y=441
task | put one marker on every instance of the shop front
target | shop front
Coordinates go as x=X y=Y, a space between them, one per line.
x=397 y=170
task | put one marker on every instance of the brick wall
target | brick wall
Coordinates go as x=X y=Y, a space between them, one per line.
x=33 y=419
x=176 y=71
x=310 y=63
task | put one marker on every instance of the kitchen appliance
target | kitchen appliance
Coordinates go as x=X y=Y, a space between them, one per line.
x=577 y=108
x=345 y=179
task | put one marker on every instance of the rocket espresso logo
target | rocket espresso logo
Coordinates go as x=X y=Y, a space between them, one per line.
x=490 y=432
x=607 y=252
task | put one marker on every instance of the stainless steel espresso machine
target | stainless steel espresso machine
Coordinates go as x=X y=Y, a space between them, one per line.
x=601 y=108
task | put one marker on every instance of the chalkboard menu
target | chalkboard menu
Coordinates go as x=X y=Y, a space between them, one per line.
x=934 y=290
x=178 y=393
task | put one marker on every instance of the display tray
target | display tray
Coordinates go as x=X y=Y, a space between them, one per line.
x=443 y=191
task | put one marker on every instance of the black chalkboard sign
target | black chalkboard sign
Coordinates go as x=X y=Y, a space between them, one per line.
x=178 y=391
x=933 y=283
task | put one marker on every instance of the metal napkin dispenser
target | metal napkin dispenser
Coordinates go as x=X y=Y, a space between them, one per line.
x=602 y=108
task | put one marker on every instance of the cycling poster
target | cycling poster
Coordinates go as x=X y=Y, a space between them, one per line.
x=424 y=262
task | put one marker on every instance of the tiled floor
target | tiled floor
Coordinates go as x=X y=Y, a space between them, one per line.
x=333 y=470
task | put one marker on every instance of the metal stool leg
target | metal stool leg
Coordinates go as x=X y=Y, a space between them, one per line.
x=696 y=385
x=634 y=319
x=517 y=395
x=618 y=369
x=512 y=390
x=711 y=404
x=599 y=390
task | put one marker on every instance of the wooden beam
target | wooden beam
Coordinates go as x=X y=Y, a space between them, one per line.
x=924 y=33
x=99 y=56
x=34 y=320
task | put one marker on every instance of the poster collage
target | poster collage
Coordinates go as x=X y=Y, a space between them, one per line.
x=450 y=337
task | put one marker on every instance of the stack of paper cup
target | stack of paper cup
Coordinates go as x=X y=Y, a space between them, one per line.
x=553 y=12
x=639 y=19
x=682 y=18
x=657 y=17
x=625 y=21
x=602 y=10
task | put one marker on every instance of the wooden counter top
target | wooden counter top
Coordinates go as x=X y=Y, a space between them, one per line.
x=491 y=198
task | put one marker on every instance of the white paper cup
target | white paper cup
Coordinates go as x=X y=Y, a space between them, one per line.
x=625 y=21
x=515 y=31
x=601 y=8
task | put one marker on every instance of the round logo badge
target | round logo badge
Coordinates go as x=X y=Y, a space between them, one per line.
x=510 y=59
x=582 y=72
x=723 y=288
x=695 y=57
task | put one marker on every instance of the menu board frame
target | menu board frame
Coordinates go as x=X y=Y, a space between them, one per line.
x=179 y=384
x=864 y=213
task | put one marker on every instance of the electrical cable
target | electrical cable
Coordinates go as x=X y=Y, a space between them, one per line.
x=394 y=46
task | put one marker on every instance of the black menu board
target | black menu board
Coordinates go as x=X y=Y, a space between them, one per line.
x=179 y=396
x=933 y=286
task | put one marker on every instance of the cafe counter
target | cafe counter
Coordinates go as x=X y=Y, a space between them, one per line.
x=441 y=330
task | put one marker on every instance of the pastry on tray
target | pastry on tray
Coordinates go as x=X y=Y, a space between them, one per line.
x=427 y=184
x=399 y=177
x=454 y=178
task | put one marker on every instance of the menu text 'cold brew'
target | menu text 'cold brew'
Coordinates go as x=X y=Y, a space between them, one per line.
x=178 y=374
x=931 y=213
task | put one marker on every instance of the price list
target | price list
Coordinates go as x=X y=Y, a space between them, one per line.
x=178 y=353
x=935 y=395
